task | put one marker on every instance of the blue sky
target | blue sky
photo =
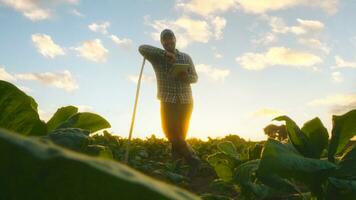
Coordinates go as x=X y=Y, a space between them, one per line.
x=255 y=59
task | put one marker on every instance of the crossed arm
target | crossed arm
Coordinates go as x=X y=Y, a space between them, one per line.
x=151 y=53
x=154 y=54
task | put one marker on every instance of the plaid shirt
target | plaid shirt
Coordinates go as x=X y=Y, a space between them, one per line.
x=170 y=89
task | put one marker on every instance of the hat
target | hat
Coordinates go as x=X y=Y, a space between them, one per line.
x=167 y=32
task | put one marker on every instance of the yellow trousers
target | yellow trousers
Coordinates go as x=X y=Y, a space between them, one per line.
x=175 y=119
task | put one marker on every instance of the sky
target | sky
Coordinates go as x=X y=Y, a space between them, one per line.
x=255 y=59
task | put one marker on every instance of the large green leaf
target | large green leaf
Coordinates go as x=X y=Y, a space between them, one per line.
x=228 y=148
x=344 y=128
x=297 y=137
x=317 y=136
x=31 y=169
x=86 y=120
x=224 y=171
x=18 y=111
x=347 y=165
x=222 y=164
x=279 y=160
x=61 y=115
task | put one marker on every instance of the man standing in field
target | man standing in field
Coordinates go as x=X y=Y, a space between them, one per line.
x=174 y=93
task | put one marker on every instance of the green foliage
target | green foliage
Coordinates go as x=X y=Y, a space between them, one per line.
x=230 y=168
x=347 y=164
x=297 y=137
x=60 y=116
x=344 y=128
x=105 y=152
x=254 y=152
x=19 y=111
x=293 y=169
x=36 y=170
x=281 y=161
x=246 y=171
x=276 y=132
x=72 y=138
x=324 y=179
x=19 y=114
x=222 y=164
x=317 y=135
x=223 y=171
x=228 y=148
x=245 y=176
x=311 y=140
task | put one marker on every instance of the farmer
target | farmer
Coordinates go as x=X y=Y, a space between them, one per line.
x=174 y=93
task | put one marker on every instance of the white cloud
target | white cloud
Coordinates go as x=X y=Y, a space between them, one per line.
x=329 y=6
x=206 y=7
x=337 y=104
x=46 y=46
x=212 y=7
x=277 y=56
x=315 y=44
x=29 y=8
x=63 y=80
x=260 y=7
x=267 y=112
x=122 y=42
x=307 y=31
x=339 y=110
x=77 y=13
x=212 y=72
x=84 y=108
x=337 y=77
x=100 y=27
x=92 y=50
x=341 y=63
x=310 y=25
x=216 y=53
x=68 y=1
x=219 y=24
x=334 y=100
x=34 y=9
x=145 y=78
x=196 y=29
x=188 y=30
x=304 y=26
x=5 y=76
x=266 y=39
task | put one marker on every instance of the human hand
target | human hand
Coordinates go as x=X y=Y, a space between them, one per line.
x=183 y=75
x=171 y=57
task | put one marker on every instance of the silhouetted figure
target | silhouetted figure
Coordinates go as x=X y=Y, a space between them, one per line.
x=174 y=93
x=276 y=132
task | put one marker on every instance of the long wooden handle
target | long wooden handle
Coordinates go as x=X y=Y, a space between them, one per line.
x=134 y=113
